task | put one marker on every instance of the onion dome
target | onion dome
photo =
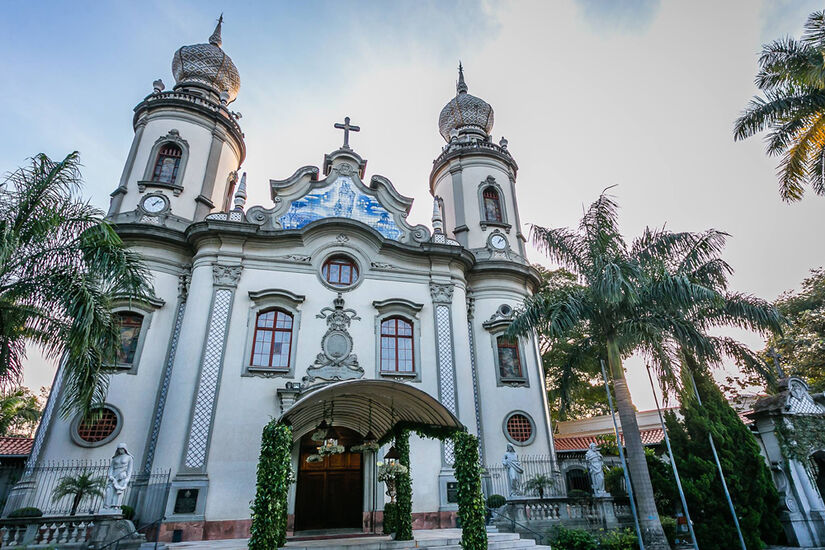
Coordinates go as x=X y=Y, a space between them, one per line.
x=207 y=66
x=466 y=114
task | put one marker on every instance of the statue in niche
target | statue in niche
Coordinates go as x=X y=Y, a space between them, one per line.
x=514 y=470
x=595 y=465
x=120 y=472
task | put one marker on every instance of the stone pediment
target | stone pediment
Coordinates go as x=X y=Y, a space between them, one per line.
x=303 y=198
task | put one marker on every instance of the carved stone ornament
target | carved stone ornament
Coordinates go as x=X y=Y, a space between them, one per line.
x=345 y=169
x=183 y=282
x=341 y=238
x=441 y=293
x=800 y=400
x=226 y=275
x=336 y=360
x=295 y=258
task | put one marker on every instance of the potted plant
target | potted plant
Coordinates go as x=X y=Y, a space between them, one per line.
x=538 y=484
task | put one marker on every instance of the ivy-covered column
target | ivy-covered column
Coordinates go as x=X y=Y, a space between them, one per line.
x=403 y=487
x=269 y=510
x=471 y=509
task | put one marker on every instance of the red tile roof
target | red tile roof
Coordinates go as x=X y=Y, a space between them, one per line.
x=653 y=436
x=16 y=446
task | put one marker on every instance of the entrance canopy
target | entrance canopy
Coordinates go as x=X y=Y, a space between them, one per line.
x=349 y=403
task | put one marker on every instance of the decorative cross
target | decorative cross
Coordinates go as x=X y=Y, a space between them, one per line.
x=776 y=357
x=347 y=128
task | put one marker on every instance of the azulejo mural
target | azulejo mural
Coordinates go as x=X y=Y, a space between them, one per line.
x=341 y=200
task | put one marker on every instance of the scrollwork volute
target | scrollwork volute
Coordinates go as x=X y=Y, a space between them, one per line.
x=226 y=275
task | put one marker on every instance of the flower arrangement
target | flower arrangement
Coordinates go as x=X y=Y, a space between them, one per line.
x=330 y=447
x=319 y=435
x=366 y=447
x=314 y=458
x=389 y=471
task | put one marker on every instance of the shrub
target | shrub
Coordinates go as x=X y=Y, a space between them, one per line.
x=128 y=512
x=619 y=539
x=578 y=493
x=28 y=512
x=614 y=481
x=573 y=539
x=496 y=501
x=390 y=518
x=669 y=527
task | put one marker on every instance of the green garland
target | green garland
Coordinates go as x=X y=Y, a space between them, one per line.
x=805 y=435
x=471 y=507
x=403 y=489
x=269 y=510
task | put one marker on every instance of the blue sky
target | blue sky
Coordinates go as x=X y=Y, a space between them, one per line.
x=641 y=94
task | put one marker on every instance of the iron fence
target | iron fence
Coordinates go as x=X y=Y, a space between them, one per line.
x=537 y=468
x=36 y=487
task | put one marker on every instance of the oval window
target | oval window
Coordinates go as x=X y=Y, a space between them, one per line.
x=340 y=271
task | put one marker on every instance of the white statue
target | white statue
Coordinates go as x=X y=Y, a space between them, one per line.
x=595 y=465
x=120 y=472
x=514 y=470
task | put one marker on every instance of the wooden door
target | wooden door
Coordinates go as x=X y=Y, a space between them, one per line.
x=330 y=493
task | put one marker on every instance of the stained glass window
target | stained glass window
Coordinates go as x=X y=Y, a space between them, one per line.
x=167 y=163
x=519 y=428
x=340 y=271
x=397 y=346
x=509 y=361
x=273 y=339
x=130 y=324
x=492 y=205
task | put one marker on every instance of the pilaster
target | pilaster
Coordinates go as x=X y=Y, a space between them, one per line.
x=204 y=199
x=442 y=297
x=122 y=187
x=196 y=451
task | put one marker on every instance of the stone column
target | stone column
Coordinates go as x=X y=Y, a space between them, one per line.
x=196 y=451
x=122 y=188
x=442 y=296
x=204 y=199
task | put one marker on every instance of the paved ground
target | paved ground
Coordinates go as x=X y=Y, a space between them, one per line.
x=355 y=542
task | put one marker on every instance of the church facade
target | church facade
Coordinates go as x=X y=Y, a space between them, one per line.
x=257 y=307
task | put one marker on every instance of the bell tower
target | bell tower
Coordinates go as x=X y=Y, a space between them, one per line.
x=473 y=179
x=188 y=146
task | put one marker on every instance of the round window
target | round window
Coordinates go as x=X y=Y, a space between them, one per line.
x=519 y=428
x=340 y=271
x=97 y=429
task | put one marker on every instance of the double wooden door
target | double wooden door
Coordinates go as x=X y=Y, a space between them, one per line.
x=330 y=493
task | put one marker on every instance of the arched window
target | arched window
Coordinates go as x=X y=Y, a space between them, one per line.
x=167 y=163
x=340 y=271
x=273 y=339
x=492 y=205
x=509 y=359
x=130 y=325
x=397 y=345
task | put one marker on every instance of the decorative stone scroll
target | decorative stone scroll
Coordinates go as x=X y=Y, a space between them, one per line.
x=336 y=360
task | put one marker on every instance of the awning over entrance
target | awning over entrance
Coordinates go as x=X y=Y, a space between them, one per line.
x=350 y=402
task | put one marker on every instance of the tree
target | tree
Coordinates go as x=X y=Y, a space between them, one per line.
x=659 y=296
x=19 y=412
x=61 y=267
x=746 y=474
x=78 y=487
x=572 y=372
x=792 y=78
x=802 y=344
x=538 y=484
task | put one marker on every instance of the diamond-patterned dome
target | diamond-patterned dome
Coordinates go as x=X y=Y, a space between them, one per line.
x=465 y=111
x=207 y=65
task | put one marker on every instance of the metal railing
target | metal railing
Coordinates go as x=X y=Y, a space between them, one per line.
x=36 y=488
x=513 y=523
x=533 y=466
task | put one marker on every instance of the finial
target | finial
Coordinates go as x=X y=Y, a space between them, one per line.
x=438 y=221
x=215 y=39
x=240 y=194
x=158 y=86
x=461 y=87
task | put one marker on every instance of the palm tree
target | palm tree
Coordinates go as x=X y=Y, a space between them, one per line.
x=792 y=77
x=19 y=412
x=538 y=484
x=78 y=487
x=61 y=266
x=659 y=296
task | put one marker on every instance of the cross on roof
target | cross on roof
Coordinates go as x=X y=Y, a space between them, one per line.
x=347 y=128
x=776 y=357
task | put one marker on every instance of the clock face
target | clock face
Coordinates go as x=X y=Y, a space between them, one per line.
x=498 y=242
x=154 y=204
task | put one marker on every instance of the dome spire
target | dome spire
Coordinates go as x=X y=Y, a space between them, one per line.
x=215 y=39
x=461 y=87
